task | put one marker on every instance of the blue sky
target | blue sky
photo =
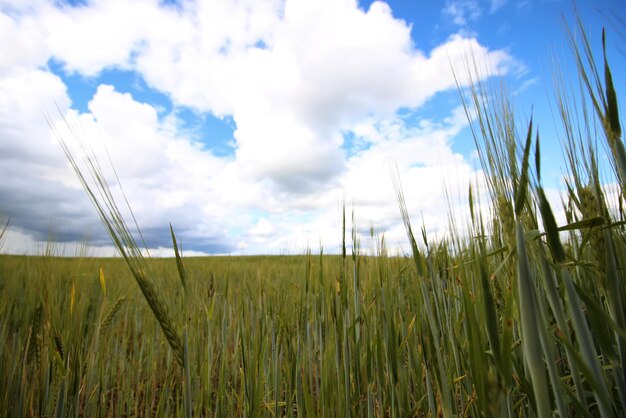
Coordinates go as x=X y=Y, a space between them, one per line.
x=246 y=123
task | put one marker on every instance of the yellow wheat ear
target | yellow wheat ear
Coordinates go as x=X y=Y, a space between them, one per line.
x=72 y=296
x=103 y=283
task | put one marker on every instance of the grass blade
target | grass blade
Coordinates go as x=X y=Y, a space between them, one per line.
x=530 y=328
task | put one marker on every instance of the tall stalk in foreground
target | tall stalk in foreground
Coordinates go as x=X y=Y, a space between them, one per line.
x=573 y=343
x=95 y=184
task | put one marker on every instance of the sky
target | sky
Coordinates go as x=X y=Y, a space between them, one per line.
x=245 y=124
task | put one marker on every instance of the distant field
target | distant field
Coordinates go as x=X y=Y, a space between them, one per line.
x=302 y=336
x=266 y=334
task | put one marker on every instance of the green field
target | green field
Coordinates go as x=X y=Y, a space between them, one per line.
x=310 y=335
x=511 y=315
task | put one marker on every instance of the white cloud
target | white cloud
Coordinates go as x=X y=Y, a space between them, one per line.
x=462 y=12
x=164 y=176
x=294 y=76
x=26 y=50
x=425 y=162
x=36 y=186
x=317 y=74
x=88 y=39
x=263 y=228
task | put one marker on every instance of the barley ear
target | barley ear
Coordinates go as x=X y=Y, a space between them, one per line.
x=109 y=316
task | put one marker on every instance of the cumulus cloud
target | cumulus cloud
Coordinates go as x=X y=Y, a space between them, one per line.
x=295 y=76
x=36 y=186
x=165 y=176
x=168 y=177
x=425 y=161
x=292 y=75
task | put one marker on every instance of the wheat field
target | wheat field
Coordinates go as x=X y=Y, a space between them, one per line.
x=511 y=315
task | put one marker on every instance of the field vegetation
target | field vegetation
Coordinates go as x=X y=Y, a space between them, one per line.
x=510 y=315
